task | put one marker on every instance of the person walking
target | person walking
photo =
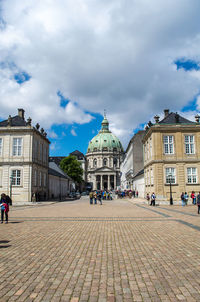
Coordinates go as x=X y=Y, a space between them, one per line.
x=183 y=199
x=4 y=207
x=91 y=197
x=148 y=197
x=193 y=196
x=186 y=198
x=153 y=199
x=99 y=196
x=198 y=203
x=95 y=197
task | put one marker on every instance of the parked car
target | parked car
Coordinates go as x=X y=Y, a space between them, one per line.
x=72 y=195
x=78 y=195
x=83 y=193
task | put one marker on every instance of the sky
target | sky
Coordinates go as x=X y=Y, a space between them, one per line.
x=66 y=61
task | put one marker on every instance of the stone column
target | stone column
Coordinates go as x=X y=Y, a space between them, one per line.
x=101 y=177
x=115 y=181
x=109 y=183
x=95 y=182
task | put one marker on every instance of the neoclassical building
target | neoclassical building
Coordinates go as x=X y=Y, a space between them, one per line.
x=104 y=156
x=172 y=156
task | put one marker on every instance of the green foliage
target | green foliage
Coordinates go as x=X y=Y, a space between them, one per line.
x=71 y=166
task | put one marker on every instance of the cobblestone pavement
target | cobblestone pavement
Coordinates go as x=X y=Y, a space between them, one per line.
x=120 y=251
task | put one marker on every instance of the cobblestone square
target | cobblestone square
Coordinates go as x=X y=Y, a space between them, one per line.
x=121 y=251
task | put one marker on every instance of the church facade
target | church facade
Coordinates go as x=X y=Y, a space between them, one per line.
x=104 y=156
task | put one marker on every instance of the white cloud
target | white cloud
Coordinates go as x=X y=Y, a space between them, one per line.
x=73 y=132
x=99 y=54
x=52 y=134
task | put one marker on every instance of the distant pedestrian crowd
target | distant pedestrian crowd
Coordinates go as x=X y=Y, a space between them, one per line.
x=184 y=199
x=97 y=196
x=127 y=193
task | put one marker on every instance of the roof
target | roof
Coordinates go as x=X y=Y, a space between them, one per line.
x=139 y=133
x=56 y=159
x=141 y=172
x=15 y=121
x=175 y=118
x=78 y=154
x=56 y=173
x=105 y=140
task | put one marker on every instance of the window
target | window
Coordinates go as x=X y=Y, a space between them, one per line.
x=40 y=179
x=189 y=144
x=145 y=155
x=105 y=149
x=45 y=180
x=16 y=177
x=95 y=149
x=44 y=155
x=94 y=162
x=105 y=161
x=1 y=145
x=115 y=162
x=17 y=146
x=170 y=175
x=115 y=149
x=150 y=146
x=152 y=178
x=192 y=175
x=41 y=149
x=168 y=144
x=35 y=178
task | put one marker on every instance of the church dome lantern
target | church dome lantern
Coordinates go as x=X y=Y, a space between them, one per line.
x=105 y=140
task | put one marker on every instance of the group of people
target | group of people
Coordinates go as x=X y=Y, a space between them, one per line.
x=5 y=201
x=152 y=198
x=195 y=199
x=184 y=199
x=127 y=193
x=99 y=196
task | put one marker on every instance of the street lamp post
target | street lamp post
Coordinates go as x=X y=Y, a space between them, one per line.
x=170 y=188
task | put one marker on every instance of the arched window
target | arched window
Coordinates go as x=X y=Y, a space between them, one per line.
x=105 y=161
x=115 y=149
x=95 y=150
x=115 y=162
x=95 y=163
x=105 y=149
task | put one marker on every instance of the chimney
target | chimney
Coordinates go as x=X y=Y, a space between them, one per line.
x=21 y=113
x=166 y=112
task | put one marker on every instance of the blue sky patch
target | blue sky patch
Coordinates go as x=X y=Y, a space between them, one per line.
x=187 y=64
x=22 y=77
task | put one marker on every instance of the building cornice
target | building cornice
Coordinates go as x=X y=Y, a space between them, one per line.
x=28 y=129
x=22 y=163
x=172 y=161
x=165 y=128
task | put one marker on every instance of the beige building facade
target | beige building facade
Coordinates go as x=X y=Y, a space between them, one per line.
x=24 y=153
x=172 y=156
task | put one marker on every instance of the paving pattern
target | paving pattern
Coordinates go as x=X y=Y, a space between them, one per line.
x=120 y=251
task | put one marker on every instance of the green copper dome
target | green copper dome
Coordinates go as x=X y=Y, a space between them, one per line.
x=105 y=140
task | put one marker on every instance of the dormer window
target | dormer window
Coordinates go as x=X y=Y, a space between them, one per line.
x=105 y=140
x=95 y=149
x=105 y=149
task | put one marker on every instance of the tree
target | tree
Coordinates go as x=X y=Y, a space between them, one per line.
x=71 y=166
